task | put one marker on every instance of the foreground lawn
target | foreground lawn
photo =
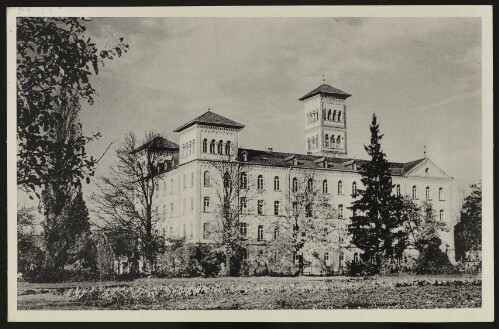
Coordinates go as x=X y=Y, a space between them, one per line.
x=384 y=292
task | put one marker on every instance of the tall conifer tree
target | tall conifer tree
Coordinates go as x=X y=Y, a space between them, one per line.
x=375 y=223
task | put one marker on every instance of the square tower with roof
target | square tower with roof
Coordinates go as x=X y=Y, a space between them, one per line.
x=326 y=121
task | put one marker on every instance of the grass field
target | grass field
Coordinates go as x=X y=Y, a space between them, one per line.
x=408 y=292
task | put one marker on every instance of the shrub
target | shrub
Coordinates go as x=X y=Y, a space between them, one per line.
x=182 y=260
x=433 y=261
x=361 y=269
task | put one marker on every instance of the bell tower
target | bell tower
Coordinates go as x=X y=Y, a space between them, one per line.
x=326 y=121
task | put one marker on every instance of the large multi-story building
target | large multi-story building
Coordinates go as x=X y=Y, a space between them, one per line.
x=186 y=195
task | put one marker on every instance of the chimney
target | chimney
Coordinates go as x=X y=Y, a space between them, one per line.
x=270 y=149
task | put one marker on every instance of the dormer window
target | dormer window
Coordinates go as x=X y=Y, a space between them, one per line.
x=295 y=162
x=244 y=156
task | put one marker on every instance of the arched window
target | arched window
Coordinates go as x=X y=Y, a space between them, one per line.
x=164 y=187
x=244 y=180
x=324 y=114
x=317 y=141
x=329 y=115
x=260 y=233
x=397 y=190
x=276 y=183
x=440 y=194
x=276 y=232
x=338 y=142
x=326 y=140
x=309 y=144
x=310 y=184
x=193 y=146
x=276 y=208
x=340 y=187
x=227 y=148
x=334 y=115
x=325 y=189
x=340 y=211
x=206 y=178
x=226 y=179
x=354 y=189
x=326 y=258
x=442 y=215
x=333 y=142
x=245 y=156
x=205 y=145
x=220 y=148
x=339 y=116
x=183 y=149
x=260 y=182
x=414 y=192
x=212 y=146
x=295 y=184
x=428 y=193
x=356 y=257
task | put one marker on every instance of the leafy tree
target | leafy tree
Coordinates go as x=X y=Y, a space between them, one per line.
x=374 y=228
x=308 y=223
x=470 y=232
x=421 y=224
x=126 y=202
x=54 y=62
x=29 y=249
x=233 y=192
x=67 y=238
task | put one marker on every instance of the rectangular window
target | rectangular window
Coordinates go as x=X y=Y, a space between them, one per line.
x=295 y=208
x=260 y=233
x=192 y=179
x=243 y=204
x=164 y=211
x=206 y=206
x=260 y=207
x=184 y=181
x=243 y=229
x=171 y=209
x=192 y=204
x=183 y=206
x=276 y=208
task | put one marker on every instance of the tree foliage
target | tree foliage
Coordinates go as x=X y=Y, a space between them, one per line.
x=308 y=223
x=374 y=227
x=470 y=232
x=55 y=60
x=230 y=191
x=126 y=203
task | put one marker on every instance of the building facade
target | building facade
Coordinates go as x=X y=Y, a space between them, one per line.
x=187 y=193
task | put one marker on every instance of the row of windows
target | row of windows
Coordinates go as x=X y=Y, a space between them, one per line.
x=313 y=116
x=188 y=148
x=332 y=142
x=441 y=196
x=217 y=147
x=331 y=115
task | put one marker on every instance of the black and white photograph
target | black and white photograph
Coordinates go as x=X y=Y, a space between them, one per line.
x=182 y=160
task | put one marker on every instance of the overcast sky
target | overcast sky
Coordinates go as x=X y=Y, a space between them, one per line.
x=422 y=77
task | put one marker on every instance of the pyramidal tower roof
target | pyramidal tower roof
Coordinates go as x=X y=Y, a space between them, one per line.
x=212 y=119
x=327 y=90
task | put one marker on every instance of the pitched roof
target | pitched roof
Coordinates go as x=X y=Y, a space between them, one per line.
x=212 y=119
x=408 y=166
x=326 y=89
x=259 y=157
x=159 y=144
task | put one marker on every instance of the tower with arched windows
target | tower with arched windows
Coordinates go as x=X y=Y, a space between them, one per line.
x=210 y=136
x=326 y=124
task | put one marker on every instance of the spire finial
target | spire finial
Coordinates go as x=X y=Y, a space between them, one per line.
x=323 y=78
x=209 y=109
x=425 y=151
